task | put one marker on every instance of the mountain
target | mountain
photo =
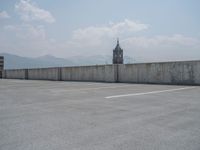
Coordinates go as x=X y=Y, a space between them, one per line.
x=91 y=60
x=51 y=61
x=18 y=62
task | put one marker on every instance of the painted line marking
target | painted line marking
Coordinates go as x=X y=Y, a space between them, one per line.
x=152 y=92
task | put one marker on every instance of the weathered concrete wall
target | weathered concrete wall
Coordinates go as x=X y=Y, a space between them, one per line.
x=111 y=73
x=102 y=73
x=1 y=66
x=185 y=72
x=14 y=74
x=43 y=74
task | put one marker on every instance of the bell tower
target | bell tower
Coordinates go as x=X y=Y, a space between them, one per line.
x=118 y=54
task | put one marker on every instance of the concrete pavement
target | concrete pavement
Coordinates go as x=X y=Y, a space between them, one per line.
x=51 y=115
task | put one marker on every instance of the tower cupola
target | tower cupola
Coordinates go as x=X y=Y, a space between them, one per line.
x=118 y=54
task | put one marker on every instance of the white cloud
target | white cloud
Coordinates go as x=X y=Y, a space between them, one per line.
x=9 y=27
x=32 y=40
x=101 y=40
x=4 y=15
x=93 y=35
x=162 y=47
x=31 y=12
x=174 y=40
x=29 y=40
x=27 y=31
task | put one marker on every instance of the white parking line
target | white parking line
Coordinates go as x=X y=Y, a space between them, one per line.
x=152 y=92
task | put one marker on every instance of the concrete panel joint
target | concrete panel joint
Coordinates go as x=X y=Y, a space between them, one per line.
x=26 y=74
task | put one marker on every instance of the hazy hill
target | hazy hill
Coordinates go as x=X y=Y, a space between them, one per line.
x=16 y=62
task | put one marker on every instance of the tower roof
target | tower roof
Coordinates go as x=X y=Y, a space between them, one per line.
x=117 y=48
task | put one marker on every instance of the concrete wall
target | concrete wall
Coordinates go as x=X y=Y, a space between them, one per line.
x=102 y=73
x=43 y=74
x=185 y=72
x=14 y=74
x=1 y=65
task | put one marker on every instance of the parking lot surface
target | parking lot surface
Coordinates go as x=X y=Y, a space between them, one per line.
x=52 y=115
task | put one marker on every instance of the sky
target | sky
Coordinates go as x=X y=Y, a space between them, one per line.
x=148 y=30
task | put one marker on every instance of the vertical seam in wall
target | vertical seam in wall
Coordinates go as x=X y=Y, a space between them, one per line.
x=117 y=75
x=26 y=74
x=59 y=74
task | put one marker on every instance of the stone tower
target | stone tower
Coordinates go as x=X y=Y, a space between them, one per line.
x=118 y=54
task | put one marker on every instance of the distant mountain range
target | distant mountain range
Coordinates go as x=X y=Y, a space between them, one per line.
x=17 y=62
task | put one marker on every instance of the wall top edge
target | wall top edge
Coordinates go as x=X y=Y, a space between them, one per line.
x=164 y=62
x=62 y=67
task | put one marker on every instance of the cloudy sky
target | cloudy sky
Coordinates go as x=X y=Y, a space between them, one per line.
x=155 y=30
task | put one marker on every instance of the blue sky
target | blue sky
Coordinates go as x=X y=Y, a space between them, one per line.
x=148 y=30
